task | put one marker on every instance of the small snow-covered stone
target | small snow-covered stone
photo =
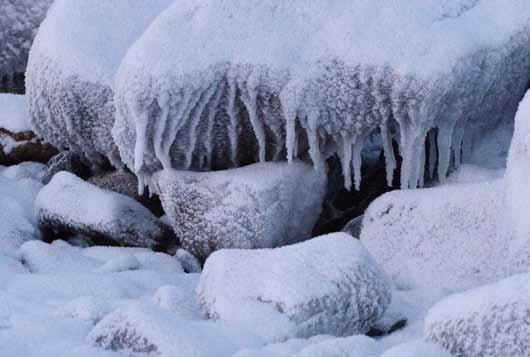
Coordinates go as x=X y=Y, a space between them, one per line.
x=489 y=321
x=86 y=308
x=258 y=206
x=188 y=261
x=70 y=204
x=416 y=349
x=327 y=285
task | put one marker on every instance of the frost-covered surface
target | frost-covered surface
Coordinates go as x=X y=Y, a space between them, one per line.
x=327 y=285
x=416 y=349
x=258 y=206
x=446 y=236
x=14 y=113
x=71 y=69
x=354 y=346
x=488 y=321
x=19 y=21
x=70 y=204
x=517 y=180
x=215 y=83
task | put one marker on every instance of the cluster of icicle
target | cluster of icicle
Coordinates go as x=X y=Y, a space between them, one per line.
x=231 y=115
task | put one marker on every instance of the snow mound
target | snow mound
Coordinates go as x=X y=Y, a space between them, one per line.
x=32 y=170
x=449 y=236
x=14 y=114
x=354 y=346
x=118 y=264
x=179 y=300
x=517 y=188
x=258 y=206
x=71 y=69
x=85 y=308
x=327 y=285
x=150 y=331
x=416 y=349
x=282 y=349
x=70 y=204
x=214 y=84
x=19 y=22
x=488 y=321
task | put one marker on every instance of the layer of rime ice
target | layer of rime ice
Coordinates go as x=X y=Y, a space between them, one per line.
x=69 y=204
x=517 y=179
x=489 y=321
x=257 y=206
x=416 y=349
x=71 y=70
x=327 y=285
x=214 y=84
x=446 y=236
x=14 y=114
x=19 y=21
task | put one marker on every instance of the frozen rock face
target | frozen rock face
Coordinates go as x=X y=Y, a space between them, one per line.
x=230 y=83
x=19 y=21
x=449 y=236
x=258 y=206
x=70 y=205
x=71 y=69
x=517 y=188
x=489 y=321
x=327 y=285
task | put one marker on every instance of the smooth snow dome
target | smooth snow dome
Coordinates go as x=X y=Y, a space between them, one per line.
x=13 y=113
x=327 y=285
x=517 y=180
x=213 y=84
x=71 y=70
x=488 y=321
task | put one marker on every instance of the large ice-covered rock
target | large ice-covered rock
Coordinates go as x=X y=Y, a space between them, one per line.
x=69 y=204
x=71 y=69
x=19 y=21
x=517 y=179
x=258 y=206
x=213 y=84
x=449 y=236
x=489 y=321
x=327 y=285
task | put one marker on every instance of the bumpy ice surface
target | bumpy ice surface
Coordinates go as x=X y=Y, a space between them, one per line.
x=327 y=285
x=258 y=206
x=489 y=321
x=213 y=84
x=71 y=69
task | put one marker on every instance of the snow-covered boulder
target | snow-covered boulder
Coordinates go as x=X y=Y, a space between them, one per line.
x=69 y=204
x=327 y=285
x=449 y=236
x=258 y=206
x=147 y=330
x=19 y=21
x=489 y=321
x=416 y=349
x=72 y=63
x=212 y=84
x=517 y=180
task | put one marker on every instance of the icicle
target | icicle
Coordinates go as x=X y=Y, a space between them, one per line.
x=431 y=137
x=390 y=158
x=445 y=134
x=140 y=118
x=346 y=158
x=160 y=127
x=420 y=168
x=458 y=137
x=208 y=140
x=250 y=100
x=231 y=111
x=287 y=100
x=314 y=142
x=195 y=119
x=467 y=142
x=357 y=160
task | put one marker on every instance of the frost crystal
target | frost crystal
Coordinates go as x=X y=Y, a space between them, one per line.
x=214 y=84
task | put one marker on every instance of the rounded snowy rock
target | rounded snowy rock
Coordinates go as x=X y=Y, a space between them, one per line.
x=489 y=321
x=327 y=285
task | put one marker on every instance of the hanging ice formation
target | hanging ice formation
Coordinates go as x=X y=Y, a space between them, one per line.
x=234 y=82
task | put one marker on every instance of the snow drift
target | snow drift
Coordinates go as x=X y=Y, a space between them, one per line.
x=71 y=69
x=19 y=21
x=214 y=84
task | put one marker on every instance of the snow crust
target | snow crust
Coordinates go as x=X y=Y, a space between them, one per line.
x=264 y=205
x=491 y=320
x=214 y=84
x=19 y=22
x=71 y=70
x=14 y=114
x=327 y=285
x=71 y=204
x=416 y=349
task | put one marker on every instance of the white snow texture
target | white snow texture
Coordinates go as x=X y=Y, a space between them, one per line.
x=327 y=285
x=14 y=113
x=264 y=205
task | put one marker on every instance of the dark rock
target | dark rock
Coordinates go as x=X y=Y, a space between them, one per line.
x=68 y=161
x=24 y=146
